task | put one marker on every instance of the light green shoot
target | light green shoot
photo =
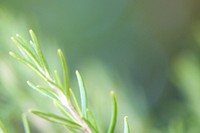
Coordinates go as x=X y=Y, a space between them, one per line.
x=114 y=114
x=126 y=125
x=25 y=123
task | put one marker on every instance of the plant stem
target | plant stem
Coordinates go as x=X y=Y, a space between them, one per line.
x=85 y=127
x=67 y=104
x=72 y=110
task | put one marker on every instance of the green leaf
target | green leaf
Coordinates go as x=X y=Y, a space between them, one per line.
x=27 y=63
x=36 y=70
x=82 y=94
x=25 y=43
x=92 y=119
x=45 y=91
x=90 y=125
x=33 y=46
x=58 y=79
x=65 y=71
x=56 y=119
x=114 y=114
x=76 y=104
x=25 y=123
x=126 y=125
x=27 y=53
x=40 y=54
x=3 y=128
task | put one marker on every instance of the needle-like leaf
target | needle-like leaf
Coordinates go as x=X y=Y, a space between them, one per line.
x=25 y=51
x=114 y=114
x=39 y=52
x=45 y=91
x=23 y=42
x=56 y=119
x=82 y=94
x=76 y=104
x=65 y=71
x=92 y=119
x=25 y=123
x=58 y=79
x=27 y=63
x=90 y=125
x=126 y=125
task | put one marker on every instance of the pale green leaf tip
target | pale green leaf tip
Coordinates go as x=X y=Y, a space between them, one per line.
x=126 y=125
x=59 y=50
x=12 y=38
x=112 y=93
x=11 y=53
x=77 y=72
x=125 y=118
x=17 y=35
x=30 y=31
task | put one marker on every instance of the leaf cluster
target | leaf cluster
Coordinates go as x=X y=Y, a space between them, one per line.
x=75 y=116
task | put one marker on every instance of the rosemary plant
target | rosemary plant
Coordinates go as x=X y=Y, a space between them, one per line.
x=76 y=116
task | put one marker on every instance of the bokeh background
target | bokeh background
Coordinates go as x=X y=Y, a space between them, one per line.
x=146 y=51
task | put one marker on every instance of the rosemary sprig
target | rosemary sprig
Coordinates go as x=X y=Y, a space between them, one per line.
x=76 y=117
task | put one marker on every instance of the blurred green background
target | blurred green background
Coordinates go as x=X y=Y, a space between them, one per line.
x=147 y=51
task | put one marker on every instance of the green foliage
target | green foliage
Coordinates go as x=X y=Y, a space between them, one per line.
x=126 y=126
x=114 y=114
x=75 y=117
x=2 y=128
x=25 y=123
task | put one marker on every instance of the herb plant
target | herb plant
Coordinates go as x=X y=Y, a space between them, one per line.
x=76 y=116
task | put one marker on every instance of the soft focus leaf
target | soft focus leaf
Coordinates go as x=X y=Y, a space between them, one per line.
x=25 y=123
x=39 y=52
x=3 y=128
x=92 y=119
x=45 y=91
x=126 y=125
x=82 y=94
x=76 y=104
x=58 y=79
x=114 y=114
x=26 y=51
x=90 y=125
x=65 y=71
x=56 y=119
x=29 y=64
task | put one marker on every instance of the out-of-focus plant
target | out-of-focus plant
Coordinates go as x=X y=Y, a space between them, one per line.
x=186 y=70
x=2 y=128
x=187 y=78
x=75 y=117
